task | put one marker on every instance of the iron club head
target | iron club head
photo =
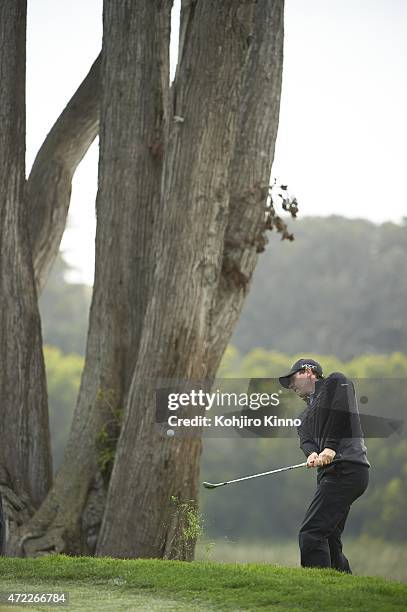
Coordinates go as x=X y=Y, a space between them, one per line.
x=210 y=485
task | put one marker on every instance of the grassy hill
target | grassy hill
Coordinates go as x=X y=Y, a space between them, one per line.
x=111 y=584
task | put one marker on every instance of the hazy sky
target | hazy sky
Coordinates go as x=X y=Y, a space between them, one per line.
x=342 y=138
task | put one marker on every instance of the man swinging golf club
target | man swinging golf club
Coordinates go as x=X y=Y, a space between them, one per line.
x=332 y=440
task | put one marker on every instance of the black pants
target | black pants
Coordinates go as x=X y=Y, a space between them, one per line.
x=338 y=485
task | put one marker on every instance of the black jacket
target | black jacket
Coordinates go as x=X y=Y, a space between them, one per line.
x=331 y=420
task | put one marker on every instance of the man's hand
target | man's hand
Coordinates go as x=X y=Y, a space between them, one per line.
x=311 y=461
x=326 y=457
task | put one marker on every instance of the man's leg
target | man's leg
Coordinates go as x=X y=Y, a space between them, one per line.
x=338 y=559
x=337 y=488
x=323 y=515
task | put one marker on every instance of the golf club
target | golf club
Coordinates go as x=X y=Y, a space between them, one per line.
x=211 y=485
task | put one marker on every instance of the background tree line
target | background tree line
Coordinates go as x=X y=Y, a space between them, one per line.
x=339 y=279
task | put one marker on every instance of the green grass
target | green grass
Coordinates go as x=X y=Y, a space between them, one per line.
x=367 y=556
x=112 y=584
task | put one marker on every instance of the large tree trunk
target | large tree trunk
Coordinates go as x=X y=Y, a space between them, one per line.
x=207 y=212
x=134 y=103
x=25 y=460
x=197 y=274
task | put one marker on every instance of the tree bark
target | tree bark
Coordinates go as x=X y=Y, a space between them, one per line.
x=150 y=470
x=250 y=173
x=25 y=460
x=50 y=181
x=134 y=104
x=175 y=250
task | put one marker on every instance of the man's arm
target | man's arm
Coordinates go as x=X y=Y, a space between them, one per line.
x=311 y=450
x=338 y=420
x=307 y=442
x=338 y=424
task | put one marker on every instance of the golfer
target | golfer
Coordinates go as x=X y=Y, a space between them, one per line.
x=332 y=440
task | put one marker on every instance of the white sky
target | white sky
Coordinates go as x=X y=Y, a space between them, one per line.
x=342 y=138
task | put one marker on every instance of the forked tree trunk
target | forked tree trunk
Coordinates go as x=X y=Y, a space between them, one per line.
x=134 y=103
x=214 y=196
x=206 y=209
x=25 y=459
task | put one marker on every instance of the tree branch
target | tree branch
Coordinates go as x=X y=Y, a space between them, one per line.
x=49 y=183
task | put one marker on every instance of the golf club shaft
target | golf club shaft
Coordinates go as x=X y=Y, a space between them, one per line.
x=283 y=469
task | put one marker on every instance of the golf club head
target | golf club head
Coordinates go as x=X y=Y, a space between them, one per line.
x=210 y=485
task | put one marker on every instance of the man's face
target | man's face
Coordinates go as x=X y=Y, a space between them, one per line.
x=303 y=383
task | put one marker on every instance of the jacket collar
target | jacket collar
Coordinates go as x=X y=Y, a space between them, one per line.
x=318 y=384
